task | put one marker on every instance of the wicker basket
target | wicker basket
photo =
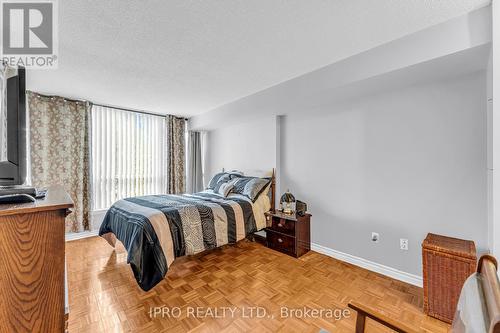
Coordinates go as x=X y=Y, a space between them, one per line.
x=447 y=263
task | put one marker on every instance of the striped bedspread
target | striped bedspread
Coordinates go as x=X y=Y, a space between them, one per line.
x=156 y=229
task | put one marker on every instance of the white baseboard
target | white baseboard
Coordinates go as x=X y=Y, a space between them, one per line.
x=96 y=218
x=369 y=265
x=71 y=236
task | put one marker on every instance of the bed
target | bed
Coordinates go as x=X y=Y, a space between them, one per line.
x=156 y=229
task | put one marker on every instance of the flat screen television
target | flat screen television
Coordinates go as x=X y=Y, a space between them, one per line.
x=13 y=137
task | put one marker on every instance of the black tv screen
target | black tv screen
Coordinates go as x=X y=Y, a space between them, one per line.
x=13 y=139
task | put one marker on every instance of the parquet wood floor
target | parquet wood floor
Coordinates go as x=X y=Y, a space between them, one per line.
x=104 y=296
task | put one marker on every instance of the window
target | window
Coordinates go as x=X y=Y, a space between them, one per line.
x=128 y=155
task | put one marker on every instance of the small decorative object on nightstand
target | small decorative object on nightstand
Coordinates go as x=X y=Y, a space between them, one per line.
x=288 y=203
x=290 y=234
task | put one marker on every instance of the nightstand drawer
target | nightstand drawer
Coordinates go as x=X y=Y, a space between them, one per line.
x=283 y=226
x=281 y=242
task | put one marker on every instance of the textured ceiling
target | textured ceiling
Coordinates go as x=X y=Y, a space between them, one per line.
x=187 y=57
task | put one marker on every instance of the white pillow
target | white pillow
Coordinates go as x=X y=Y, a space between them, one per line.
x=224 y=188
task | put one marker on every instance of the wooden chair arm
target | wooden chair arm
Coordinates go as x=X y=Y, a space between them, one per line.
x=364 y=311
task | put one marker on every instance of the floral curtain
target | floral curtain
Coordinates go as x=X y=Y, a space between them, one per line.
x=59 y=142
x=176 y=159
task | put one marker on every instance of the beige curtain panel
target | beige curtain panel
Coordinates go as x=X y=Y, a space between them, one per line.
x=194 y=182
x=59 y=142
x=176 y=158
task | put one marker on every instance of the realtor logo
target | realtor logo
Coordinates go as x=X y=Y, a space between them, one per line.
x=29 y=33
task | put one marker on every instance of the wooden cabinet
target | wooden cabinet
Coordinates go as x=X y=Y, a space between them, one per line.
x=32 y=264
x=290 y=234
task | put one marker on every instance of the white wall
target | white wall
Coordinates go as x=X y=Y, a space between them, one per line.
x=401 y=152
x=494 y=131
x=250 y=145
x=401 y=163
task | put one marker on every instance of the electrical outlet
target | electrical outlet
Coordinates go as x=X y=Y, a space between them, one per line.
x=403 y=244
x=375 y=237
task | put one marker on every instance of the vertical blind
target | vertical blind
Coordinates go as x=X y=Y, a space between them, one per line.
x=128 y=155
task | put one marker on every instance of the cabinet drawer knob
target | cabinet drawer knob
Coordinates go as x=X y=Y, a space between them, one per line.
x=280 y=240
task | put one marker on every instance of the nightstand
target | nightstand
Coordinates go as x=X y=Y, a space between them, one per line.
x=289 y=234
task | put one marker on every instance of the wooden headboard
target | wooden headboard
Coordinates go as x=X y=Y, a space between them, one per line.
x=273 y=192
x=272 y=189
